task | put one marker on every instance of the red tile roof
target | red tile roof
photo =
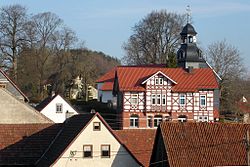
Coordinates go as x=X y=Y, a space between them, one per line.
x=204 y=144
x=108 y=76
x=131 y=77
x=24 y=144
x=139 y=142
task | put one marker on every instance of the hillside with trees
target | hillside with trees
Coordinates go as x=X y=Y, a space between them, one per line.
x=41 y=53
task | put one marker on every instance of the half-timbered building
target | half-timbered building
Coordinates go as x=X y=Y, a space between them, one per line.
x=146 y=95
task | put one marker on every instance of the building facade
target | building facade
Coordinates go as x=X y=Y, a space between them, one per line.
x=147 y=95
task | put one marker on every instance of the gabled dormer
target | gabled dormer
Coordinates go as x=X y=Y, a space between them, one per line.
x=158 y=79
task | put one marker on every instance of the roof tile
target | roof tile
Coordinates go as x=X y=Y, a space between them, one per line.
x=204 y=144
x=131 y=77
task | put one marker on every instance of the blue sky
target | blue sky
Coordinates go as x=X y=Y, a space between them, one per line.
x=106 y=25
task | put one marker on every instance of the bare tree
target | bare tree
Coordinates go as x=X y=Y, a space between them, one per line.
x=226 y=61
x=155 y=38
x=45 y=25
x=12 y=30
x=63 y=41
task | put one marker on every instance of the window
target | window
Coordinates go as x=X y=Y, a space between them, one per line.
x=164 y=100
x=134 y=121
x=149 y=121
x=59 y=107
x=105 y=151
x=156 y=81
x=203 y=119
x=203 y=100
x=134 y=99
x=182 y=99
x=182 y=118
x=190 y=39
x=96 y=126
x=159 y=99
x=157 y=120
x=153 y=99
x=160 y=81
x=87 y=151
x=2 y=85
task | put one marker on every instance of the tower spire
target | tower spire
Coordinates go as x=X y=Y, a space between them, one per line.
x=188 y=10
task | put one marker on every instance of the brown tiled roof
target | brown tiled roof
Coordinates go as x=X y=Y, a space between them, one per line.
x=130 y=78
x=24 y=144
x=139 y=142
x=204 y=144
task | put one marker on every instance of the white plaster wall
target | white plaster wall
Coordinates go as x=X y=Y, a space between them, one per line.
x=119 y=156
x=50 y=110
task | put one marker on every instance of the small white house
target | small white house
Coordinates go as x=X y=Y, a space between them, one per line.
x=56 y=109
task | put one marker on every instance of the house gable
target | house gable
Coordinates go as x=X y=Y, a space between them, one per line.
x=159 y=73
x=58 y=109
x=8 y=84
x=67 y=148
x=16 y=111
x=118 y=157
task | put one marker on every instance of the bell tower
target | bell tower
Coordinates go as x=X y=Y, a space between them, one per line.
x=189 y=55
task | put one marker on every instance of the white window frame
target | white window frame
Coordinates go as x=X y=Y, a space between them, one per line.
x=156 y=81
x=158 y=99
x=134 y=99
x=164 y=99
x=150 y=119
x=160 y=81
x=134 y=119
x=59 y=107
x=158 y=120
x=203 y=99
x=153 y=99
x=203 y=118
x=182 y=97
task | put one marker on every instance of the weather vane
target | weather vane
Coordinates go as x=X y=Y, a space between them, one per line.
x=188 y=13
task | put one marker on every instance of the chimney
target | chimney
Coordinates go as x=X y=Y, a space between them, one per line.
x=53 y=93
